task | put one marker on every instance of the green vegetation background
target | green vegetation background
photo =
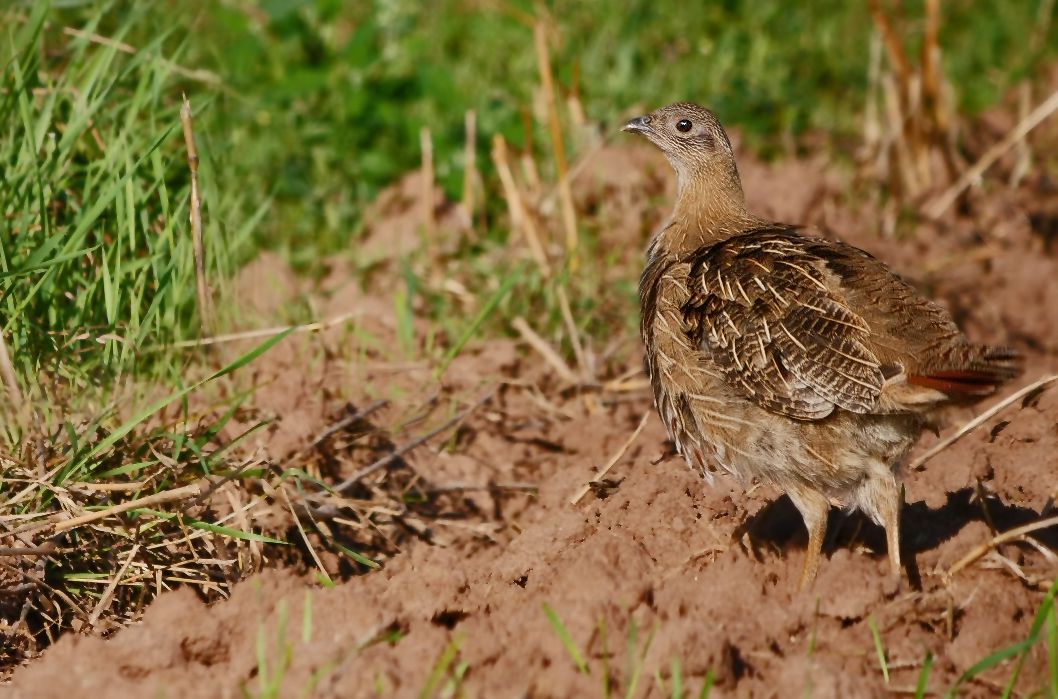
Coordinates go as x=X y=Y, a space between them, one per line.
x=319 y=105
x=325 y=99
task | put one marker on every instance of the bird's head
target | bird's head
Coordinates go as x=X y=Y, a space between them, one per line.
x=697 y=146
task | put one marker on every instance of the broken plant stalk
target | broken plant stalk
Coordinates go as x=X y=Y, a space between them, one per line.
x=205 y=307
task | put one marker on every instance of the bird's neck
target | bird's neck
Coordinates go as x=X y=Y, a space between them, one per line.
x=710 y=207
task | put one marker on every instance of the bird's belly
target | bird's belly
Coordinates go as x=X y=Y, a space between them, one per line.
x=724 y=431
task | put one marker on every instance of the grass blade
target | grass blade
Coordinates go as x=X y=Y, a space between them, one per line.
x=878 y=647
x=567 y=640
x=991 y=661
x=440 y=668
x=1046 y=608
x=639 y=662
x=509 y=283
x=1052 y=648
x=677 y=679
x=358 y=557
x=923 y=677
x=707 y=687
x=210 y=527
x=120 y=432
x=306 y=618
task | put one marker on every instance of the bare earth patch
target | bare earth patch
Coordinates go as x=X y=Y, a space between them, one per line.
x=706 y=574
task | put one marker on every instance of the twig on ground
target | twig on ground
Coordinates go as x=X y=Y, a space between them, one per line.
x=618 y=381
x=1044 y=110
x=157 y=498
x=205 y=308
x=1047 y=553
x=253 y=334
x=215 y=486
x=45 y=549
x=978 y=421
x=540 y=345
x=33 y=527
x=201 y=533
x=626 y=386
x=613 y=460
x=28 y=603
x=979 y=551
x=389 y=458
x=540 y=400
x=112 y=487
x=108 y=594
x=346 y=422
x=489 y=487
x=242 y=521
x=304 y=536
x=40 y=582
x=34 y=485
x=1002 y=561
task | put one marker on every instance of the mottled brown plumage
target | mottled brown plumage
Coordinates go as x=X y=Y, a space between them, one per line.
x=798 y=361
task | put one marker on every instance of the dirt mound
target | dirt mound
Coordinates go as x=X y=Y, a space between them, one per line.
x=652 y=564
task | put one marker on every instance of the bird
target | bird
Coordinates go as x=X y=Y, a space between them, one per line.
x=790 y=359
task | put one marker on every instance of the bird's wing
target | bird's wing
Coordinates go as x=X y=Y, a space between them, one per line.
x=911 y=332
x=767 y=312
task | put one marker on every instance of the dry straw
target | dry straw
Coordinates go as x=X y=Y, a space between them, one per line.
x=470 y=167
x=426 y=184
x=972 y=425
x=613 y=459
x=565 y=192
x=916 y=108
x=1038 y=115
x=205 y=306
x=521 y=217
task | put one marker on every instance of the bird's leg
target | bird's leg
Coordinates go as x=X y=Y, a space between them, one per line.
x=814 y=508
x=880 y=498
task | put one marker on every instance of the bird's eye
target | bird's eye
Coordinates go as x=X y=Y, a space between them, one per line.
x=683 y=125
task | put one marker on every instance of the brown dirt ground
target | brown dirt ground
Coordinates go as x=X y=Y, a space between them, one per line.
x=657 y=547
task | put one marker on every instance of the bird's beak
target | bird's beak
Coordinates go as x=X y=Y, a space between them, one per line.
x=640 y=125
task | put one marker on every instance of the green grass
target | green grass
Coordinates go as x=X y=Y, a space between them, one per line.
x=272 y=670
x=321 y=102
x=95 y=255
x=440 y=671
x=97 y=283
x=1045 y=617
x=317 y=105
x=879 y=647
x=567 y=640
x=635 y=664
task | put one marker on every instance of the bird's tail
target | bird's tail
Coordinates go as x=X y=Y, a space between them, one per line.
x=972 y=372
